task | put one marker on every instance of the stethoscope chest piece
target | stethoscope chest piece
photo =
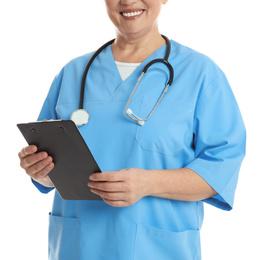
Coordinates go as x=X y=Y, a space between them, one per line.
x=80 y=117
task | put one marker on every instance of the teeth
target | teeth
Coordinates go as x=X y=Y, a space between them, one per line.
x=132 y=14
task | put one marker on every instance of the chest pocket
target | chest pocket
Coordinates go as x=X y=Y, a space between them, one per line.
x=168 y=131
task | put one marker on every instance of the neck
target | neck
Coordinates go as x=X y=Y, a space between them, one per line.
x=135 y=48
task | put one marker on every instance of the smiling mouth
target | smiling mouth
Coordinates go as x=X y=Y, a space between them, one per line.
x=132 y=14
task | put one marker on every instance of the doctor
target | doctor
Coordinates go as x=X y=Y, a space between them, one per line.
x=156 y=176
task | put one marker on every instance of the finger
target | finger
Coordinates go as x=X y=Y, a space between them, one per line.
x=27 y=151
x=106 y=176
x=44 y=172
x=109 y=195
x=33 y=159
x=107 y=186
x=116 y=203
x=39 y=166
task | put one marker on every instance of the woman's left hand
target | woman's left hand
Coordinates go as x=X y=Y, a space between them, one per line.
x=122 y=188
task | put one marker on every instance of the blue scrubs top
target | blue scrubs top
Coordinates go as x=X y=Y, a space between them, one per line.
x=196 y=125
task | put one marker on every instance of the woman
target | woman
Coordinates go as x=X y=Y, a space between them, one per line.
x=155 y=176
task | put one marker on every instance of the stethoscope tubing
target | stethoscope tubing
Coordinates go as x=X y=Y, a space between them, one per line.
x=165 y=61
x=81 y=116
x=82 y=91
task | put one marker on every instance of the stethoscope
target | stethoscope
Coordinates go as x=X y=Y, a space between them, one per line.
x=81 y=116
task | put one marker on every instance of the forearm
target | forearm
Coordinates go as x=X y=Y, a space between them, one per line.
x=179 y=184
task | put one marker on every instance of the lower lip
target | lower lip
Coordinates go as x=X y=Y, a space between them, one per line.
x=130 y=18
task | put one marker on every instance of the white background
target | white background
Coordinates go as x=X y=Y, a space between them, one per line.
x=39 y=37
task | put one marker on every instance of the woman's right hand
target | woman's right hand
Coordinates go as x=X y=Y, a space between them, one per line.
x=36 y=165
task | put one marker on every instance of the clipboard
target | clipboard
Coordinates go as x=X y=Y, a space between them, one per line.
x=74 y=162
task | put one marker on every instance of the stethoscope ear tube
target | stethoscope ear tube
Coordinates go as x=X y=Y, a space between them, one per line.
x=130 y=113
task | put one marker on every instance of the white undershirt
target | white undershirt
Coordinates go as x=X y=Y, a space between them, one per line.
x=126 y=69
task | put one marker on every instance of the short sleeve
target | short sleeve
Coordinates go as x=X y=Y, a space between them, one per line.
x=219 y=141
x=48 y=112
